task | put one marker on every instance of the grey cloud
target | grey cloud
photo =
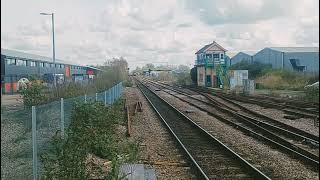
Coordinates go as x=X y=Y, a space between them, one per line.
x=230 y=11
x=183 y=25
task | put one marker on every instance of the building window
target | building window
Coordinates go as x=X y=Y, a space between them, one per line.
x=11 y=61
x=21 y=62
x=41 y=64
x=215 y=55
x=47 y=64
x=221 y=56
x=32 y=63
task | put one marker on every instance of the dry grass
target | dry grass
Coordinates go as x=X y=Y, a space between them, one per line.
x=283 y=80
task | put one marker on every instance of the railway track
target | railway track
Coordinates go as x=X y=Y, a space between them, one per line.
x=277 y=137
x=263 y=119
x=306 y=110
x=210 y=157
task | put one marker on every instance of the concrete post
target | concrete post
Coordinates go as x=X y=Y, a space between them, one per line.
x=34 y=144
x=109 y=96
x=112 y=92
x=105 y=98
x=62 y=117
x=85 y=98
x=96 y=96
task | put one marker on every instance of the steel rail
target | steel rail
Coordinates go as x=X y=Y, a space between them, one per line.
x=308 y=137
x=273 y=139
x=267 y=121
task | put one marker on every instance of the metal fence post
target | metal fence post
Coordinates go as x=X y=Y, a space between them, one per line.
x=96 y=96
x=105 y=98
x=112 y=94
x=62 y=117
x=109 y=96
x=116 y=91
x=85 y=98
x=34 y=144
x=118 y=88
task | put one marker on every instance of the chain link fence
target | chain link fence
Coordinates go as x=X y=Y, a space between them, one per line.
x=26 y=133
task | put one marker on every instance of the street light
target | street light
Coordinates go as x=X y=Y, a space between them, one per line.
x=53 y=46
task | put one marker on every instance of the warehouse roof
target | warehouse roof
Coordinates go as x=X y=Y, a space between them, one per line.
x=14 y=53
x=233 y=54
x=295 y=49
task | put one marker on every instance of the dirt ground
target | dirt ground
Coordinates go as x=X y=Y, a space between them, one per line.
x=157 y=146
x=10 y=100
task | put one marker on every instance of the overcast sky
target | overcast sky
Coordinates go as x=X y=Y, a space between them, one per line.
x=146 y=31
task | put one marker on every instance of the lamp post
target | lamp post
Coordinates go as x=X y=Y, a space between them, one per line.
x=53 y=46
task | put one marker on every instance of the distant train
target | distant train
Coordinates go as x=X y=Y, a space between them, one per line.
x=16 y=65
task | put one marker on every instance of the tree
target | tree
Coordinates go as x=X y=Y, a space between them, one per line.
x=255 y=69
x=148 y=66
x=183 y=68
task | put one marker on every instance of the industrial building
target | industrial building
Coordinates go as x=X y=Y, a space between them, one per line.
x=246 y=56
x=16 y=65
x=299 y=59
x=211 y=65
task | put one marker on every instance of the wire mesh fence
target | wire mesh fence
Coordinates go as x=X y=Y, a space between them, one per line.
x=26 y=136
x=16 y=143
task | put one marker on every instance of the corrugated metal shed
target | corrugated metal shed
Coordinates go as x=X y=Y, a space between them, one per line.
x=295 y=49
x=300 y=59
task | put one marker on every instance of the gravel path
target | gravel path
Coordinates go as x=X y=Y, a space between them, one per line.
x=157 y=146
x=275 y=164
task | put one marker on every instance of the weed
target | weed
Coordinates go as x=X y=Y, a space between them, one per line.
x=92 y=131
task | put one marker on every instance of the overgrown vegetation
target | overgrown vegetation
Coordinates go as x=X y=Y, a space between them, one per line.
x=32 y=95
x=312 y=94
x=114 y=72
x=92 y=131
x=268 y=78
x=255 y=69
x=284 y=80
x=183 y=78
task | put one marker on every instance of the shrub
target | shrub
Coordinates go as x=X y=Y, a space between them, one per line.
x=32 y=95
x=92 y=131
x=312 y=94
x=281 y=79
x=255 y=69
x=183 y=79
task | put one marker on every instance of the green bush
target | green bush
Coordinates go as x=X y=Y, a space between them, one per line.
x=255 y=69
x=92 y=131
x=312 y=94
x=32 y=95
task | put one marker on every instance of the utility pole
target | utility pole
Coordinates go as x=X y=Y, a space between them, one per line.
x=53 y=47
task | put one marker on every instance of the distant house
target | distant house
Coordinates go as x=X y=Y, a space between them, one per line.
x=246 y=56
x=211 y=64
x=299 y=59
